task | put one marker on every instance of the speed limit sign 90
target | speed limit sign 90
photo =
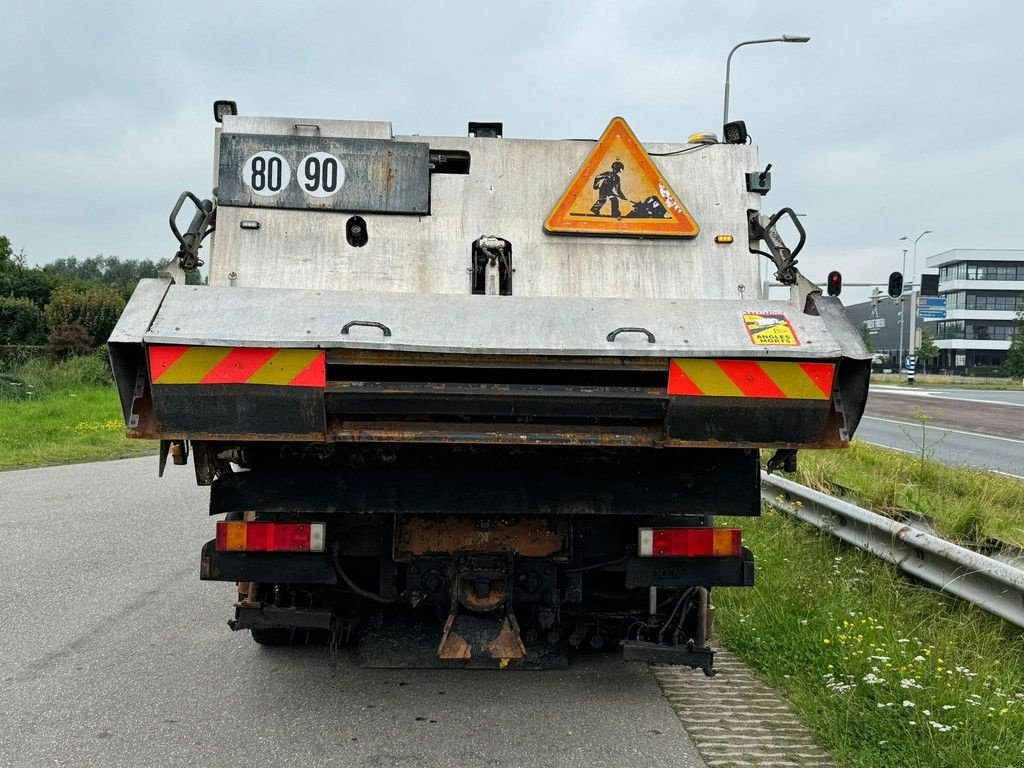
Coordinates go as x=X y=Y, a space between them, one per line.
x=320 y=174
x=266 y=173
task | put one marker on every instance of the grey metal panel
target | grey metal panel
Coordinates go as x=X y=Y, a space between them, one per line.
x=307 y=126
x=381 y=176
x=512 y=186
x=140 y=311
x=257 y=317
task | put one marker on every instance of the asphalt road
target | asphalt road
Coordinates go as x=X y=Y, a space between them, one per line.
x=976 y=428
x=113 y=653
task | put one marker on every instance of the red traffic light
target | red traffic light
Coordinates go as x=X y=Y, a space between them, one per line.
x=835 y=283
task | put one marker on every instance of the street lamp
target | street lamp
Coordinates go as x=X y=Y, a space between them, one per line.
x=728 y=61
x=912 y=345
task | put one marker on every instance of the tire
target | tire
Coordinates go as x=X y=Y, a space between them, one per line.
x=273 y=636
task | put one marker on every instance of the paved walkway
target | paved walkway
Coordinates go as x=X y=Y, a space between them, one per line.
x=736 y=720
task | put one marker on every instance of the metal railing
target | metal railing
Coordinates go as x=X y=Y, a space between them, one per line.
x=988 y=583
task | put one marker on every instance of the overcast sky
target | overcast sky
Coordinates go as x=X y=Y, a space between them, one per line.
x=895 y=118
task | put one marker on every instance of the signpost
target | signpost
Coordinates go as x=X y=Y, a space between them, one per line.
x=931 y=307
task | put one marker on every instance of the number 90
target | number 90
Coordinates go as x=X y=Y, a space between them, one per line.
x=321 y=174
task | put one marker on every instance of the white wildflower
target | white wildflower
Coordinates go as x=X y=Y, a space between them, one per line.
x=940 y=727
x=908 y=703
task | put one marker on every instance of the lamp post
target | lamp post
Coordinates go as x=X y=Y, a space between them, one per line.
x=912 y=341
x=899 y=360
x=728 y=61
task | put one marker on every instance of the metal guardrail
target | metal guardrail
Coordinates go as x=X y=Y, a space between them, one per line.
x=988 y=583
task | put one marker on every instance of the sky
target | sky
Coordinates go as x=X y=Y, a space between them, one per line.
x=897 y=117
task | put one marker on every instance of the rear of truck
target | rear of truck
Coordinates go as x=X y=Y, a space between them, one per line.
x=450 y=406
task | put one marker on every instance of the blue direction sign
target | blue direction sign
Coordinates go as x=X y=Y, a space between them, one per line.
x=930 y=313
x=934 y=302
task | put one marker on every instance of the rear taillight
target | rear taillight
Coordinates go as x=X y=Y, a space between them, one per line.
x=239 y=536
x=691 y=542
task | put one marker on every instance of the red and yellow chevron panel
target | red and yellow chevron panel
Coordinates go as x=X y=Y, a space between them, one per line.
x=750 y=378
x=237 y=365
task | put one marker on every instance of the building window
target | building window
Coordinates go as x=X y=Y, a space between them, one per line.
x=991 y=272
x=996 y=302
x=950 y=329
x=990 y=331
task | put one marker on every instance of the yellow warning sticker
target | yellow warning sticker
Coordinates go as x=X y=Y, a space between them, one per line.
x=770 y=329
x=619 y=191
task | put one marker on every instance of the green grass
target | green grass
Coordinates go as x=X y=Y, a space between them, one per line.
x=62 y=412
x=886 y=673
x=951 y=382
x=967 y=505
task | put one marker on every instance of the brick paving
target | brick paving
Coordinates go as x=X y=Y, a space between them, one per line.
x=736 y=720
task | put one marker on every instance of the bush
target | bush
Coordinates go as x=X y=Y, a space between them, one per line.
x=21 y=322
x=70 y=340
x=95 y=308
x=45 y=376
x=988 y=371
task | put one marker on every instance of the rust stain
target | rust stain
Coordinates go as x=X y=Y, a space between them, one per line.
x=529 y=537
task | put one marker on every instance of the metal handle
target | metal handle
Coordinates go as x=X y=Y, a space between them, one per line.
x=369 y=324
x=314 y=126
x=617 y=331
x=796 y=222
x=200 y=210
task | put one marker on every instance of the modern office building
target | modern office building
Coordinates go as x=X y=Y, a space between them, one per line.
x=983 y=290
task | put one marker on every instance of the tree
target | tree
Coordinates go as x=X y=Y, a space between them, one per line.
x=865 y=336
x=927 y=351
x=122 y=274
x=21 y=322
x=11 y=264
x=1015 y=357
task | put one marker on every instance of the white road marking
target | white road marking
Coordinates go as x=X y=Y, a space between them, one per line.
x=939 y=396
x=916 y=453
x=946 y=429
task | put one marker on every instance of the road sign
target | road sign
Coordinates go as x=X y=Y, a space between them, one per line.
x=937 y=302
x=929 y=313
x=619 y=191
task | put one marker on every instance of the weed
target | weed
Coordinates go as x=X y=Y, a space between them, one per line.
x=887 y=673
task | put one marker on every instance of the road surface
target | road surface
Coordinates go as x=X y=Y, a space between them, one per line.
x=113 y=653
x=976 y=428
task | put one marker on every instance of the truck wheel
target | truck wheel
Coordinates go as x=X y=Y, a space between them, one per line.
x=272 y=636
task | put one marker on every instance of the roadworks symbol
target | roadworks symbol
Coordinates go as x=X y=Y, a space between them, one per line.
x=618 y=191
x=770 y=329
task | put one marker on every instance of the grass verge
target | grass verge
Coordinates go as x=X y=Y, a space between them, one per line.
x=886 y=672
x=967 y=505
x=82 y=423
x=947 y=382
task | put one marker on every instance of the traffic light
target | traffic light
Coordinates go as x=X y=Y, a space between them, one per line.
x=896 y=284
x=835 y=283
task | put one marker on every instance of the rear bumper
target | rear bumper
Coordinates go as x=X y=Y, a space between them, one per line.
x=265 y=567
x=691 y=571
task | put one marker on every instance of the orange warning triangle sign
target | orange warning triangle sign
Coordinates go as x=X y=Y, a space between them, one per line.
x=618 y=191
